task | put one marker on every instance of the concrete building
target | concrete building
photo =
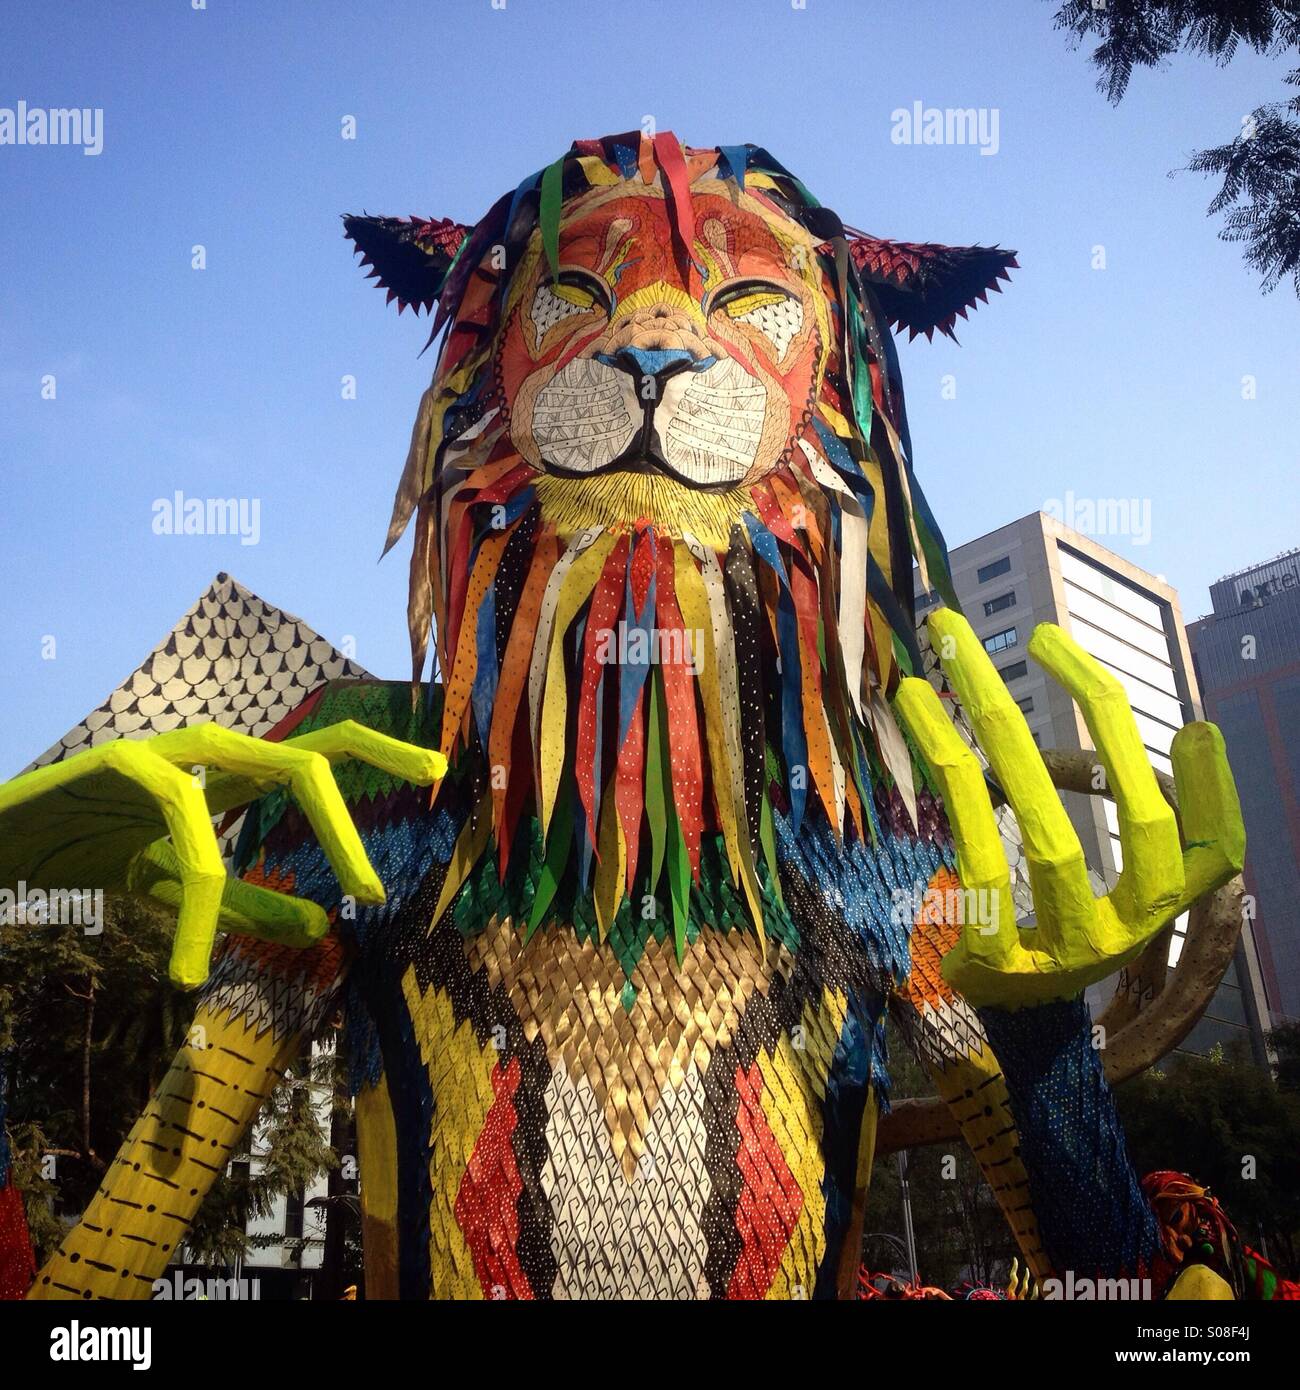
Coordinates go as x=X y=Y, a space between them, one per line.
x=291 y=1236
x=1247 y=659
x=287 y=1242
x=1038 y=570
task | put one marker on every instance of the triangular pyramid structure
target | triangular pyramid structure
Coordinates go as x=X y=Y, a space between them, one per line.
x=233 y=660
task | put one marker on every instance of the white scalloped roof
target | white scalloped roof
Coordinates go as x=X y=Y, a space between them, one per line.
x=233 y=659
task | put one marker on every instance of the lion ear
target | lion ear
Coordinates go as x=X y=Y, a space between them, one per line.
x=923 y=286
x=409 y=257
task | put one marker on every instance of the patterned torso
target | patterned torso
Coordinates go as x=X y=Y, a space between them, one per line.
x=554 y=1142
x=559 y=1115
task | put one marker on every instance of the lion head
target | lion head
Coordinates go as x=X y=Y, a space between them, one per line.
x=614 y=362
x=665 y=511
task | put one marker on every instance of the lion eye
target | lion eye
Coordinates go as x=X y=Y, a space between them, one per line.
x=776 y=315
x=557 y=300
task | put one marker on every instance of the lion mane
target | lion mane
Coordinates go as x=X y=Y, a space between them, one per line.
x=665 y=514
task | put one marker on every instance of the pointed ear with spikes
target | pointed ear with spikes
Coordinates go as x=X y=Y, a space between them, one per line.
x=409 y=257
x=922 y=287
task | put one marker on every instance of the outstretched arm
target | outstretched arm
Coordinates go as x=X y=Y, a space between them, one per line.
x=100 y=818
x=97 y=818
x=1027 y=983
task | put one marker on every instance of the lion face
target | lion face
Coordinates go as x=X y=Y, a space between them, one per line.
x=620 y=364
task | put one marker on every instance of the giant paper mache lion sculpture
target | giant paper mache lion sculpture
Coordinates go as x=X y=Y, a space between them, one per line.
x=616 y=908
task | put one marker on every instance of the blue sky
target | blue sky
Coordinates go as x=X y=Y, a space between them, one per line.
x=222 y=128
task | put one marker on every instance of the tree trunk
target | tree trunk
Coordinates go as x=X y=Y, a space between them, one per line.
x=85 y=1068
x=330 y=1280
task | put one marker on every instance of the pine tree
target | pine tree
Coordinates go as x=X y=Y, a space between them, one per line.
x=1260 y=166
x=88 y=1026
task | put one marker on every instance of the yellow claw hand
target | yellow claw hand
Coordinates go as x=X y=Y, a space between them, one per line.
x=1078 y=938
x=99 y=818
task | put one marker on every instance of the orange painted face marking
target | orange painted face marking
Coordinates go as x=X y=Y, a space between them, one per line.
x=619 y=363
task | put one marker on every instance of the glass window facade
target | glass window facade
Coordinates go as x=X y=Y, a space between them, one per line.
x=1000 y=641
x=1122 y=657
x=1000 y=604
x=1091 y=577
x=1114 y=620
x=1125 y=630
x=993 y=569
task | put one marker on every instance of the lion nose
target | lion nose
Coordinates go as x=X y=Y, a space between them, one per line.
x=651 y=367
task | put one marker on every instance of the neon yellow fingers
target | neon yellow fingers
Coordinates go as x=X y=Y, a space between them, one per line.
x=1207 y=801
x=245 y=908
x=1063 y=899
x=305 y=773
x=103 y=815
x=243 y=766
x=348 y=739
x=1152 y=879
x=199 y=868
x=990 y=964
x=173 y=803
x=982 y=864
x=1079 y=939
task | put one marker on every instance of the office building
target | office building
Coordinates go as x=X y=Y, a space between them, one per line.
x=1247 y=661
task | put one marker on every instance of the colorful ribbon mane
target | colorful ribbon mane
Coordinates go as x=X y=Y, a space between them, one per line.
x=689 y=661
